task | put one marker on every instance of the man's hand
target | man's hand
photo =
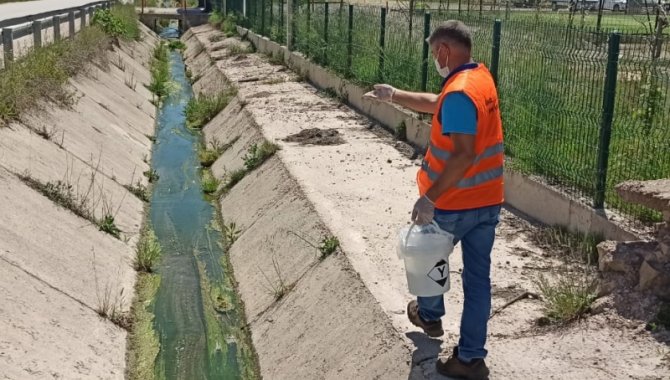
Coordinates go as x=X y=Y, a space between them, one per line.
x=382 y=92
x=424 y=211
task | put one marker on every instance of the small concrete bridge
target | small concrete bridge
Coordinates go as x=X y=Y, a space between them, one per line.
x=187 y=18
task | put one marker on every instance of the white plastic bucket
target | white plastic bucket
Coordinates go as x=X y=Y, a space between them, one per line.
x=426 y=251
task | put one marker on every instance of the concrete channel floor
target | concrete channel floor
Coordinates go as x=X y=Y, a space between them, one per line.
x=364 y=189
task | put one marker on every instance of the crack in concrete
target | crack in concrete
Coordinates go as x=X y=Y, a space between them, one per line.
x=39 y=279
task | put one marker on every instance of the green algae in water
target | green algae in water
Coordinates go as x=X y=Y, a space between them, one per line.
x=197 y=339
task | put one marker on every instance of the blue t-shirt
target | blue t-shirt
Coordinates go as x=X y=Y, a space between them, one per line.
x=459 y=114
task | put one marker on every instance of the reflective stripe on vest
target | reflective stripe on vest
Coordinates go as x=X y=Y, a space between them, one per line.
x=473 y=181
x=488 y=152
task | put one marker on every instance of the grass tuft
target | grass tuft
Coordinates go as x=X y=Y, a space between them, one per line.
x=177 y=45
x=199 y=111
x=148 y=251
x=256 y=155
x=107 y=224
x=230 y=234
x=139 y=190
x=210 y=184
x=571 y=245
x=569 y=297
x=160 y=73
x=279 y=288
x=329 y=245
x=208 y=156
x=234 y=177
x=152 y=175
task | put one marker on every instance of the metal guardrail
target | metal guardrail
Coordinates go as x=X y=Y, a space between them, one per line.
x=19 y=27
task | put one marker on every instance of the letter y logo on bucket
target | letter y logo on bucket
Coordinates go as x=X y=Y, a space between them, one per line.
x=440 y=272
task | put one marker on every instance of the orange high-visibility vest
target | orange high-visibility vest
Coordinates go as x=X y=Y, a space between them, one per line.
x=482 y=184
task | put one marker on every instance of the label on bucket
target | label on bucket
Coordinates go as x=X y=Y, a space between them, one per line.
x=440 y=273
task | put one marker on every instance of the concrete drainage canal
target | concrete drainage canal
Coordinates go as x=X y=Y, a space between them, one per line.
x=197 y=314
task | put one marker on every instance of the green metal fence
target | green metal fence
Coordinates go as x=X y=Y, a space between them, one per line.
x=584 y=108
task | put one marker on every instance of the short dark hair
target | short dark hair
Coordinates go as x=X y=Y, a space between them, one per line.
x=452 y=31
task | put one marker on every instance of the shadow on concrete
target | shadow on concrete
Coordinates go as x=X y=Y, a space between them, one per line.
x=427 y=348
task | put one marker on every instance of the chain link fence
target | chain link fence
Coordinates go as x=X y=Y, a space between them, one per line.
x=584 y=108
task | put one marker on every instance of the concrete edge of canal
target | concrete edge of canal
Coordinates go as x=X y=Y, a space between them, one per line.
x=310 y=317
x=56 y=268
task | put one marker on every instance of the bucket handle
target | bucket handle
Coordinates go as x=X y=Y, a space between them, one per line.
x=434 y=223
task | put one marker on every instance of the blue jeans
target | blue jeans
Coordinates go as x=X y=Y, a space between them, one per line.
x=475 y=229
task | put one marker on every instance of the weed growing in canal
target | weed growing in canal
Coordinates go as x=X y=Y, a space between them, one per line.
x=63 y=194
x=148 y=251
x=209 y=183
x=279 y=288
x=256 y=155
x=569 y=297
x=139 y=190
x=328 y=246
x=110 y=303
x=107 y=224
x=130 y=81
x=160 y=73
x=230 y=234
x=233 y=178
x=208 y=156
x=177 y=45
x=152 y=175
x=199 y=111
x=142 y=339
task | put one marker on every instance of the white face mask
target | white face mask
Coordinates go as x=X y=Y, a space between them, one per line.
x=443 y=71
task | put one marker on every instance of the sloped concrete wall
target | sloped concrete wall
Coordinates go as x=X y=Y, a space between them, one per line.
x=57 y=269
x=327 y=325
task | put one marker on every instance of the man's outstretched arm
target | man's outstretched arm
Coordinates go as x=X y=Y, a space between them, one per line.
x=423 y=102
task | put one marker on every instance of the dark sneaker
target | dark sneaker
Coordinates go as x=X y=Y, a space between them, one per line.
x=455 y=368
x=432 y=329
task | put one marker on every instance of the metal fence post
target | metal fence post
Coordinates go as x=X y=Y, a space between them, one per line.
x=281 y=13
x=56 y=23
x=495 y=51
x=325 y=33
x=71 y=20
x=37 y=33
x=350 y=39
x=8 y=44
x=82 y=16
x=262 y=31
x=609 y=96
x=289 y=25
x=426 y=47
x=271 y=19
x=382 y=39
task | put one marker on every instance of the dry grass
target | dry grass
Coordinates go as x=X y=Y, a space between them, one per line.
x=43 y=73
x=569 y=297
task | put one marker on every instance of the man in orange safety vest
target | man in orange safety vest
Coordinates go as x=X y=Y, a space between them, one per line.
x=460 y=185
